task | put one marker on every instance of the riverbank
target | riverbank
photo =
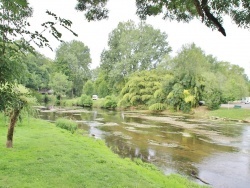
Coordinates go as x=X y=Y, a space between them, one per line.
x=47 y=156
x=225 y=112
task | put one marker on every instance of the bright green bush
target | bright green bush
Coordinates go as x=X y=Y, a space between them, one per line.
x=86 y=101
x=67 y=124
x=213 y=99
x=70 y=102
x=157 y=107
x=109 y=102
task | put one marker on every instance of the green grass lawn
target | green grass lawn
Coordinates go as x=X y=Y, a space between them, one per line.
x=47 y=156
x=231 y=113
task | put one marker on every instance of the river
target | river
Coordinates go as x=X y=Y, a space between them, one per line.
x=218 y=152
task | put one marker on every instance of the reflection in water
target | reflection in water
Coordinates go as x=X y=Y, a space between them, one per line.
x=173 y=149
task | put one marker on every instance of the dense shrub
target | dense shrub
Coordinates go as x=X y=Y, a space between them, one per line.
x=39 y=97
x=66 y=124
x=157 y=107
x=109 y=102
x=213 y=99
x=85 y=101
x=70 y=102
x=49 y=100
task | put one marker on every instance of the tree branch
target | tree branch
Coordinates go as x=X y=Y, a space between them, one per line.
x=211 y=17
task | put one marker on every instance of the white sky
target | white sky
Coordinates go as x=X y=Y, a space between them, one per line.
x=234 y=48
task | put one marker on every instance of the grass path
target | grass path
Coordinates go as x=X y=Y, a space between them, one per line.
x=47 y=156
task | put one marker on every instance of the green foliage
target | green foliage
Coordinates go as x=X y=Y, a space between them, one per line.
x=103 y=89
x=88 y=88
x=143 y=88
x=14 y=25
x=60 y=84
x=37 y=71
x=109 y=102
x=66 y=124
x=85 y=101
x=132 y=48
x=157 y=107
x=213 y=99
x=210 y=12
x=73 y=60
x=51 y=99
x=38 y=96
x=71 y=102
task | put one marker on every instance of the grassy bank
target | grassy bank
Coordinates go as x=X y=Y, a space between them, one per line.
x=231 y=113
x=47 y=156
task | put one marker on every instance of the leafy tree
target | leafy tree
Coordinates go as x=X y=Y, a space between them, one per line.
x=14 y=25
x=230 y=80
x=88 y=88
x=37 y=71
x=143 y=88
x=20 y=98
x=102 y=89
x=73 y=59
x=210 y=12
x=60 y=85
x=188 y=67
x=132 y=48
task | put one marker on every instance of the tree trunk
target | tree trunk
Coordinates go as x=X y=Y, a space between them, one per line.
x=13 y=120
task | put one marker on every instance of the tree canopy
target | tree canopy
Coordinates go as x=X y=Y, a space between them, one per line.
x=132 y=48
x=73 y=59
x=210 y=12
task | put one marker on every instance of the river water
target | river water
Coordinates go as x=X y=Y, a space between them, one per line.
x=217 y=152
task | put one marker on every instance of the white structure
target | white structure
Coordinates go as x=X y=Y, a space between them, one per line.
x=94 y=97
x=245 y=100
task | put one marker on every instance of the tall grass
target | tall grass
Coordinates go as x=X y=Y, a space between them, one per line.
x=66 y=124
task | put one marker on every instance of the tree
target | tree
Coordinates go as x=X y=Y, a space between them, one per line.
x=132 y=48
x=188 y=68
x=88 y=88
x=13 y=26
x=73 y=59
x=210 y=12
x=102 y=89
x=37 y=70
x=144 y=88
x=232 y=81
x=21 y=98
x=60 y=85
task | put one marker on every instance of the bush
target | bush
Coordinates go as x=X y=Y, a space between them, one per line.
x=70 y=102
x=213 y=100
x=85 y=101
x=109 y=102
x=66 y=124
x=157 y=107
x=39 y=97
